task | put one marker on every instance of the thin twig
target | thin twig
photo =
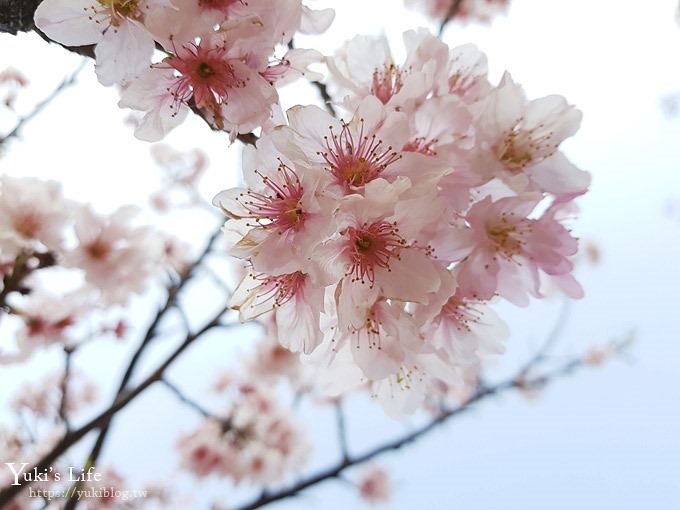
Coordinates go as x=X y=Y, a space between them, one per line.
x=183 y=398
x=65 y=84
x=63 y=403
x=102 y=419
x=452 y=12
x=541 y=354
x=342 y=429
x=150 y=334
x=326 y=97
x=337 y=470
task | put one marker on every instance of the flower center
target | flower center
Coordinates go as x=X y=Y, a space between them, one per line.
x=370 y=247
x=118 y=9
x=356 y=162
x=204 y=70
x=203 y=74
x=507 y=236
x=387 y=82
x=461 y=313
x=521 y=147
x=281 y=209
x=98 y=249
x=280 y=288
x=27 y=225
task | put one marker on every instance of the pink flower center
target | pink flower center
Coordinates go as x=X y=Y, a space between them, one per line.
x=281 y=288
x=371 y=247
x=204 y=74
x=356 y=162
x=387 y=83
x=461 y=312
x=281 y=209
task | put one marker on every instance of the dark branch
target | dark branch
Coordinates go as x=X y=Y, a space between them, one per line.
x=17 y=15
x=63 y=403
x=342 y=429
x=186 y=400
x=150 y=334
x=24 y=265
x=336 y=471
x=101 y=420
x=325 y=96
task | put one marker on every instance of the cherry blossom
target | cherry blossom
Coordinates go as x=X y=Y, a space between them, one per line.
x=33 y=214
x=116 y=257
x=123 y=44
x=374 y=485
x=508 y=251
x=519 y=141
x=256 y=442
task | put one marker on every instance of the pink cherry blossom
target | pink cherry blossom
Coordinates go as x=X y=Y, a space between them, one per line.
x=508 y=250
x=117 y=258
x=374 y=485
x=364 y=67
x=519 y=141
x=33 y=215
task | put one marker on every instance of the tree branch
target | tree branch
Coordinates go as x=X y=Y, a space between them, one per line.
x=452 y=12
x=342 y=429
x=66 y=83
x=482 y=394
x=150 y=334
x=186 y=400
x=63 y=403
x=102 y=419
x=24 y=265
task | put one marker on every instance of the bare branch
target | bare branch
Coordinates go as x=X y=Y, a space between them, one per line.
x=102 y=419
x=150 y=334
x=183 y=398
x=65 y=84
x=337 y=470
x=550 y=340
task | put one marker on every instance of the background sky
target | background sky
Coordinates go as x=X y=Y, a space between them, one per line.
x=606 y=438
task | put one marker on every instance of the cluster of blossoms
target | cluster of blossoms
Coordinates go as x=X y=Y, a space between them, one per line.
x=466 y=10
x=378 y=241
x=218 y=56
x=106 y=258
x=257 y=441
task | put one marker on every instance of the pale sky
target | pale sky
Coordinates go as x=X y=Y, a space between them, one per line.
x=604 y=439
